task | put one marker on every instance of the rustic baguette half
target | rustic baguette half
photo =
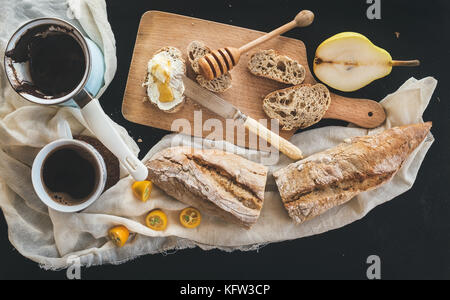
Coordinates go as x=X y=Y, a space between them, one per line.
x=196 y=50
x=269 y=64
x=219 y=183
x=299 y=106
x=324 y=180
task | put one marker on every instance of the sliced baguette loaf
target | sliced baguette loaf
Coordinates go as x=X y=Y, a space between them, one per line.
x=217 y=182
x=196 y=50
x=324 y=180
x=271 y=65
x=298 y=106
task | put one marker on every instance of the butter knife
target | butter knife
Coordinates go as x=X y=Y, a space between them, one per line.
x=226 y=110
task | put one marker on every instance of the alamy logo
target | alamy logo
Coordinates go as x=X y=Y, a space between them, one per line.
x=74 y=271
x=374 y=10
x=231 y=130
x=374 y=270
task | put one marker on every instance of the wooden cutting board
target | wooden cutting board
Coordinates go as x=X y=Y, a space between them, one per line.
x=160 y=29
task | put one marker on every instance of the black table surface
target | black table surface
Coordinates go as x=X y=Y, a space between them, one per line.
x=410 y=234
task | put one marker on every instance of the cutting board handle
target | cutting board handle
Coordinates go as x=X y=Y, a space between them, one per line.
x=361 y=112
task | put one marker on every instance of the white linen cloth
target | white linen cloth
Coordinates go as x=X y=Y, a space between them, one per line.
x=54 y=239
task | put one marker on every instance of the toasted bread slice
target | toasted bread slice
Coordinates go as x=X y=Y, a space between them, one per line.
x=299 y=106
x=196 y=50
x=175 y=58
x=271 y=65
x=217 y=85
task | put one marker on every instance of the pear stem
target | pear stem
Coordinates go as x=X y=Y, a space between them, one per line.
x=407 y=63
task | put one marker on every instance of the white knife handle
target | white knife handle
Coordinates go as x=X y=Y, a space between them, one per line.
x=275 y=140
x=101 y=126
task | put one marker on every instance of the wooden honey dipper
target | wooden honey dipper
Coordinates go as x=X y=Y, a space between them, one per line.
x=221 y=61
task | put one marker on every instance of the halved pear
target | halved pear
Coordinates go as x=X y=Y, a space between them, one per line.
x=349 y=61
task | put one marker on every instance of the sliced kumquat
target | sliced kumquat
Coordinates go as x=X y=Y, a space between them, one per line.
x=119 y=235
x=142 y=189
x=190 y=217
x=156 y=220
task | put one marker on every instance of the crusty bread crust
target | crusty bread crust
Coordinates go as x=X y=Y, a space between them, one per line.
x=196 y=50
x=269 y=64
x=299 y=106
x=220 y=183
x=324 y=180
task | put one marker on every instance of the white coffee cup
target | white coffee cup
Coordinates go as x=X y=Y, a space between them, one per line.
x=38 y=182
x=83 y=96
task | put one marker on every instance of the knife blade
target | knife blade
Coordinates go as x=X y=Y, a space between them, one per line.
x=210 y=100
x=226 y=110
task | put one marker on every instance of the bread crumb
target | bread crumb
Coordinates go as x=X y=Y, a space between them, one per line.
x=397 y=34
x=139 y=141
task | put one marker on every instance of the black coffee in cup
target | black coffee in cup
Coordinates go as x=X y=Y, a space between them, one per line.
x=70 y=175
x=56 y=61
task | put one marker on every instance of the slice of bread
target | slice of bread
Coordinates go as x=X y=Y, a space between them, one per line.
x=269 y=64
x=175 y=53
x=217 y=85
x=196 y=50
x=299 y=106
x=175 y=57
